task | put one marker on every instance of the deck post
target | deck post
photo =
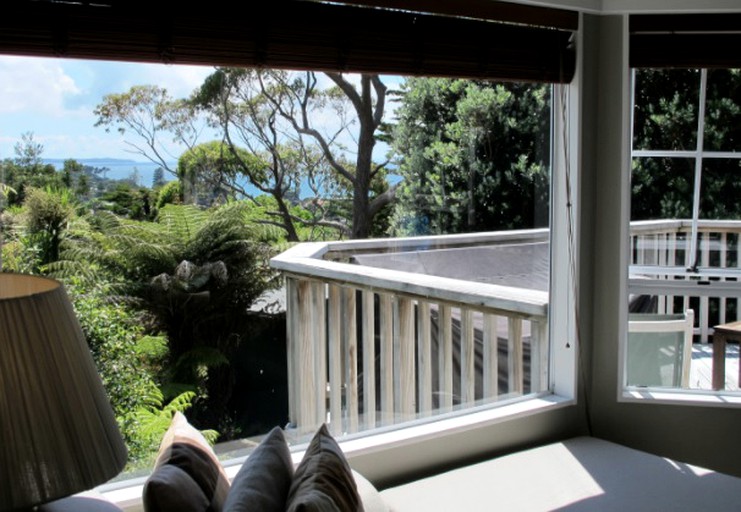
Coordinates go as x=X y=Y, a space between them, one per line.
x=350 y=339
x=514 y=360
x=424 y=358
x=468 y=359
x=491 y=357
x=369 y=360
x=335 y=359
x=445 y=357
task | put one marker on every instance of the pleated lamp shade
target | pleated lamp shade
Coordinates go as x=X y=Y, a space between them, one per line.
x=58 y=434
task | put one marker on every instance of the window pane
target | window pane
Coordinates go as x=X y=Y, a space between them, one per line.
x=723 y=110
x=662 y=188
x=669 y=314
x=665 y=114
x=721 y=189
x=212 y=329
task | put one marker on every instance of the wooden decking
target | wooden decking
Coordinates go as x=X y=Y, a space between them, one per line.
x=701 y=370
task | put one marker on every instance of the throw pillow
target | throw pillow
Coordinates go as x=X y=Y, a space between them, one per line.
x=171 y=488
x=323 y=480
x=185 y=448
x=264 y=479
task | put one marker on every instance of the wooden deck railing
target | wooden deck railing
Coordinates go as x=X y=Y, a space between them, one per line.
x=713 y=295
x=369 y=347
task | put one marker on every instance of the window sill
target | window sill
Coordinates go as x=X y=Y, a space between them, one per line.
x=686 y=397
x=127 y=494
x=454 y=423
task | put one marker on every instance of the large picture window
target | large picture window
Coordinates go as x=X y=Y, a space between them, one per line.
x=423 y=171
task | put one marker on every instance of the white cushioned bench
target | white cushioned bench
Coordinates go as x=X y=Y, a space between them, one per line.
x=580 y=474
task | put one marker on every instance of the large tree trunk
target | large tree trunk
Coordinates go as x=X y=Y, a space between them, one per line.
x=362 y=217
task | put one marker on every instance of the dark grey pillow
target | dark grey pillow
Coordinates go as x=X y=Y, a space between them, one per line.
x=264 y=479
x=171 y=488
x=323 y=480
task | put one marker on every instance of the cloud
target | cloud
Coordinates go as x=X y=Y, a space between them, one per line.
x=180 y=81
x=55 y=98
x=35 y=86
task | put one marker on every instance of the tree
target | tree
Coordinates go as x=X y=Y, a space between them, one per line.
x=279 y=115
x=48 y=213
x=27 y=170
x=666 y=118
x=473 y=156
x=274 y=162
x=158 y=178
x=211 y=171
x=150 y=113
x=297 y=98
x=128 y=200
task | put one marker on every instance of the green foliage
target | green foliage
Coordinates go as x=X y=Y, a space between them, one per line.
x=665 y=118
x=27 y=170
x=114 y=331
x=155 y=416
x=128 y=200
x=48 y=213
x=195 y=274
x=170 y=193
x=18 y=257
x=210 y=170
x=158 y=178
x=149 y=113
x=473 y=155
x=152 y=347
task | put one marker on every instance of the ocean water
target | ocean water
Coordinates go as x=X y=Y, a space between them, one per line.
x=116 y=169
x=143 y=172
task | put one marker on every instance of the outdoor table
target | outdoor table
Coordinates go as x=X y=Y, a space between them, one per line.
x=721 y=335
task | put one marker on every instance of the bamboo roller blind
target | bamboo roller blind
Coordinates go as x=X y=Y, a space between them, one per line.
x=526 y=43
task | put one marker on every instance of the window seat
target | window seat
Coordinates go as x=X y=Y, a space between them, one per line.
x=578 y=474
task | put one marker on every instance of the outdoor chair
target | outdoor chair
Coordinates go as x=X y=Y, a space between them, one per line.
x=659 y=349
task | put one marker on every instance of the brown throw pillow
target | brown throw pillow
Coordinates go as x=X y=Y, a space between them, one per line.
x=198 y=480
x=323 y=480
x=264 y=479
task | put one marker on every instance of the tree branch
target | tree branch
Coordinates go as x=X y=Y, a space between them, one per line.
x=380 y=99
x=381 y=200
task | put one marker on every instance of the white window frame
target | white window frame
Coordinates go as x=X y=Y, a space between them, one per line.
x=702 y=285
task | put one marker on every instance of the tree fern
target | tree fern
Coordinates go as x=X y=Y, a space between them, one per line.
x=194 y=273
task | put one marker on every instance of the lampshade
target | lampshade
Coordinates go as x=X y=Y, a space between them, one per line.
x=58 y=434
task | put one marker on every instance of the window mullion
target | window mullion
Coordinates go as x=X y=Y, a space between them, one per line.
x=692 y=254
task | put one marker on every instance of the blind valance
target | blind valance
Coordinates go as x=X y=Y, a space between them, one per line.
x=685 y=40
x=296 y=34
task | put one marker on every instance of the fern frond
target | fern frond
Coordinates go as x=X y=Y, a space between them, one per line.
x=182 y=221
x=180 y=403
x=202 y=357
x=153 y=347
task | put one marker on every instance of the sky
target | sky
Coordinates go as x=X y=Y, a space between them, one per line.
x=54 y=99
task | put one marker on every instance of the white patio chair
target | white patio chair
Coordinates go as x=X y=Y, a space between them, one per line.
x=659 y=351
